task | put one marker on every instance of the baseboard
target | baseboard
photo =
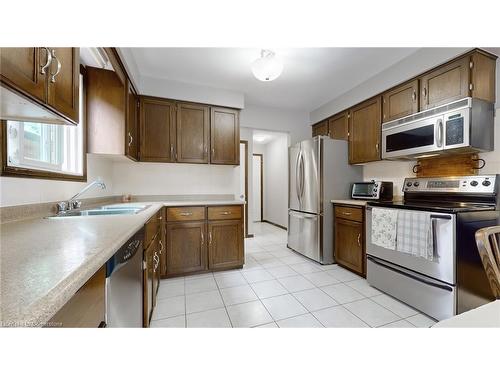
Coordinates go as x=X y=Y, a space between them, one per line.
x=276 y=225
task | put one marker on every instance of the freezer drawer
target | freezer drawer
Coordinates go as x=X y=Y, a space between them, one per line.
x=304 y=234
x=430 y=296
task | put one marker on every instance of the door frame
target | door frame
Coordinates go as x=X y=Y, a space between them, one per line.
x=261 y=185
x=247 y=235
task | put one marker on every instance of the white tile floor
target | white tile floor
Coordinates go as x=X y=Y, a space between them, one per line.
x=279 y=288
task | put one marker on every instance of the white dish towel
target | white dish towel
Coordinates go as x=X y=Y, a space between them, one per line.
x=415 y=234
x=384 y=223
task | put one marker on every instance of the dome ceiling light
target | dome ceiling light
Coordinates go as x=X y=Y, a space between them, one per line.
x=267 y=67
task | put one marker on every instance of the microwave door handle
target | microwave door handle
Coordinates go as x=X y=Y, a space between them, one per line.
x=440 y=132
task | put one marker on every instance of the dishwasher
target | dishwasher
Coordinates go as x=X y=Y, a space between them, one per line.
x=124 y=285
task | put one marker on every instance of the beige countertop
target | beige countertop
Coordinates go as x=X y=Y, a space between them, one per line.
x=43 y=262
x=350 y=202
x=482 y=317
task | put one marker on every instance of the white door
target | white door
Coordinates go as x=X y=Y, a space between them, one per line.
x=257 y=187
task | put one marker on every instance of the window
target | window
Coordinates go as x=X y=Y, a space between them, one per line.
x=55 y=150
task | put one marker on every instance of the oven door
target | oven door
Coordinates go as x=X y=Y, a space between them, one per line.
x=420 y=137
x=441 y=268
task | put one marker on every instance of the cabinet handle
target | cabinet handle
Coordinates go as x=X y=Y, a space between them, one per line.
x=213 y=151
x=209 y=238
x=131 y=139
x=186 y=213
x=359 y=239
x=226 y=213
x=206 y=150
x=414 y=95
x=53 y=78
x=161 y=247
x=43 y=68
x=346 y=213
x=202 y=238
x=172 y=152
x=425 y=91
x=377 y=146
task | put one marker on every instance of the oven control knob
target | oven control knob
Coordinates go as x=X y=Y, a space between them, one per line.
x=473 y=183
x=416 y=183
x=486 y=183
x=408 y=184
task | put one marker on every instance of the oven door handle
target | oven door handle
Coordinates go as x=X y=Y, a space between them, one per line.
x=411 y=275
x=434 y=219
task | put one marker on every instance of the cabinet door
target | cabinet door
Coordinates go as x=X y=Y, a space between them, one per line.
x=445 y=84
x=155 y=268
x=131 y=139
x=364 y=131
x=163 y=243
x=349 y=251
x=320 y=129
x=192 y=133
x=186 y=247
x=400 y=101
x=147 y=285
x=225 y=244
x=225 y=136
x=22 y=69
x=64 y=82
x=157 y=130
x=338 y=126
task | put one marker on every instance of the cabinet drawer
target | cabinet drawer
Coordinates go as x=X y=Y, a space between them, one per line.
x=185 y=213
x=349 y=213
x=152 y=227
x=224 y=212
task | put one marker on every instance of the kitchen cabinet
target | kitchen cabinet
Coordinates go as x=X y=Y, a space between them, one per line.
x=132 y=124
x=201 y=238
x=106 y=112
x=163 y=243
x=320 y=128
x=224 y=136
x=157 y=130
x=365 y=131
x=147 y=285
x=338 y=126
x=43 y=84
x=349 y=238
x=87 y=306
x=225 y=244
x=186 y=247
x=400 y=101
x=155 y=285
x=193 y=127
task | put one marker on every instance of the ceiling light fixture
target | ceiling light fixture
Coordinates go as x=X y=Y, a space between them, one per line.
x=267 y=67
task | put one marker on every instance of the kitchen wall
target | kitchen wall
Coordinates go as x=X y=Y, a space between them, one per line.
x=413 y=65
x=16 y=191
x=288 y=121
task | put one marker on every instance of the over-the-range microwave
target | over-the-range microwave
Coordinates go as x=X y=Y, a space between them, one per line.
x=466 y=125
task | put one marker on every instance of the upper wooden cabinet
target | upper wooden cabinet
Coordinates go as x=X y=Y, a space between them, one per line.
x=338 y=126
x=445 y=84
x=106 y=112
x=48 y=80
x=320 y=128
x=193 y=127
x=365 y=131
x=400 y=101
x=224 y=136
x=157 y=130
x=132 y=124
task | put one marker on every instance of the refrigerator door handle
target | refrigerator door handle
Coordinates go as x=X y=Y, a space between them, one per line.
x=302 y=175
x=297 y=178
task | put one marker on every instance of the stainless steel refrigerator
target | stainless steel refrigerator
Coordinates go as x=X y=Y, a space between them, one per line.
x=318 y=171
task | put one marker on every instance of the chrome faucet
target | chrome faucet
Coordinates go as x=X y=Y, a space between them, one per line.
x=73 y=203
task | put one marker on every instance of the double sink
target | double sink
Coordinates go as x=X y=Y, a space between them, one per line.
x=115 y=209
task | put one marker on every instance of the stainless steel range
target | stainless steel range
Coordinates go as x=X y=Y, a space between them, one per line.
x=450 y=279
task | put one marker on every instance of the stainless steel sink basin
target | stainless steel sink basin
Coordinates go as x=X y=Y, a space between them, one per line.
x=101 y=211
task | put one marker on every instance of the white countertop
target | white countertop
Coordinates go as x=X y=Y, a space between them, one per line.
x=485 y=316
x=350 y=202
x=45 y=261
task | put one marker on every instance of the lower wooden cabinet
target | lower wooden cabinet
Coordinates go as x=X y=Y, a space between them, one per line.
x=349 y=239
x=186 y=247
x=199 y=239
x=225 y=244
x=147 y=285
x=86 y=308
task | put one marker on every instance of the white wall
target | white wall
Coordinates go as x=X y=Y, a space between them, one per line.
x=172 y=179
x=276 y=181
x=195 y=93
x=16 y=191
x=281 y=120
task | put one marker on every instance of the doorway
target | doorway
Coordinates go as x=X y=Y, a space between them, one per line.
x=243 y=188
x=258 y=187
